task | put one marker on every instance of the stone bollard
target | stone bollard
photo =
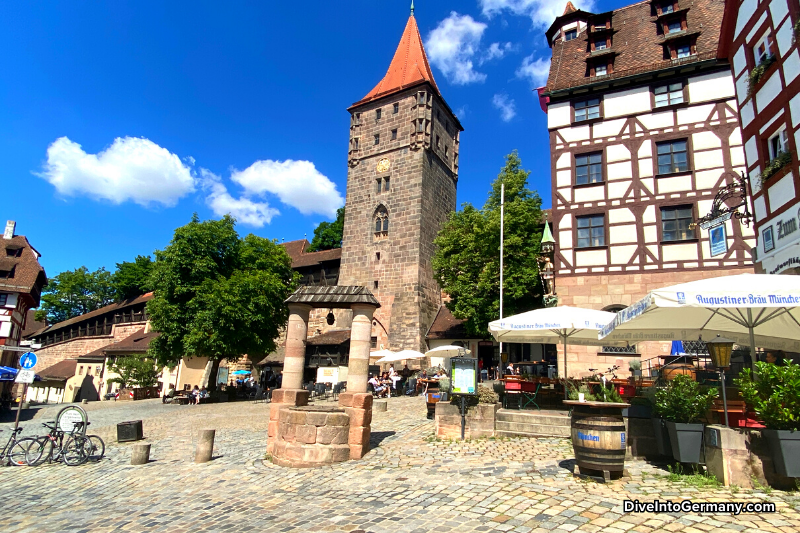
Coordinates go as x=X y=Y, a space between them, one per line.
x=84 y=401
x=379 y=405
x=140 y=454
x=205 y=446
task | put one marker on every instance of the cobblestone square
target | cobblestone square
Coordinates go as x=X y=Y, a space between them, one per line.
x=409 y=482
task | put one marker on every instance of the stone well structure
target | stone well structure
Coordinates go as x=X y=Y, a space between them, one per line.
x=288 y=412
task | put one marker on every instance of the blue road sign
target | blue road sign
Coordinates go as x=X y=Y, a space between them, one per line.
x=28 y=360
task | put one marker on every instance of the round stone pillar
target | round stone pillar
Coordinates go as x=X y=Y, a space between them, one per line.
x=296 y=333
x=360 y=342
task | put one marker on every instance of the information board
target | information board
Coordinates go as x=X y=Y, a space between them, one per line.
x=464 y=376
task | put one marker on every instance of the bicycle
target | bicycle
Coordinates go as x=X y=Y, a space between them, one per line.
x=52 y=447
x=15 y=452
x=94 y=447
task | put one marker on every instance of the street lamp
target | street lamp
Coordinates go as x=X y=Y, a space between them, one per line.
x=546 y=270
x=720 y=350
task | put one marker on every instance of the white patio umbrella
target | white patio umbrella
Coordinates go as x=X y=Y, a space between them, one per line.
x=447 y=351
x=403 y=354
x=552 y=324
x=751 y=309
x=375 y=356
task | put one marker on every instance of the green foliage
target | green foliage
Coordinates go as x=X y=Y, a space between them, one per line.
x=575 y=388
x=444 y=385
x=758 y=72
x=774 y=395
x=780 y=161
x=135 y=371
x=467 y=259
x=132 y=279
x=75 y=292
x=634 y=364
x=217 y=295
x=487 y=395
x=328 y=235
x=683 y=401
x=697 y=479
x=608 y=394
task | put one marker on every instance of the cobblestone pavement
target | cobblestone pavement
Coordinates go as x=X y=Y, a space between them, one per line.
x=409 y=482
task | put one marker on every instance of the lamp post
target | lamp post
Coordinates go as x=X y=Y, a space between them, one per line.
x=720 y=350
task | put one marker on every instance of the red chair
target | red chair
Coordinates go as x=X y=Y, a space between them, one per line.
x=513 y=390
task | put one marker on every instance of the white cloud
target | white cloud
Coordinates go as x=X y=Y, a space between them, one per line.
x=297 y=183
x=461 y=112
x=505 y=105
x=132 y=168
x=495 y=51
x=535 y=70
x=452 y=45
x=244 y=209
x=541 y=12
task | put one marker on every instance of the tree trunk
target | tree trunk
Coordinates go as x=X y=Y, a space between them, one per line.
x=212 y=379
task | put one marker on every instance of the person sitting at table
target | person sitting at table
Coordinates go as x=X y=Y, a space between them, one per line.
x=386 y=381
x=195 y=396
x=510 y=369
x=377 y=386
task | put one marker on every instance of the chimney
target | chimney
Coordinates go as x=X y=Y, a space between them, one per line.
x=9 y=233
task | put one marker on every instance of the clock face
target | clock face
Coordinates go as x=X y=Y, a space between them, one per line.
x=383 y=165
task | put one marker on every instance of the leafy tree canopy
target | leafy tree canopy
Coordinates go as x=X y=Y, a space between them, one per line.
x=218 y=295
x=135 y=371
x=467 y=259
x=328 y=235
x=75 y=292
x=132 y=279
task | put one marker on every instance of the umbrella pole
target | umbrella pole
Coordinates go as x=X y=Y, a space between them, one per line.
x=724 y=399
x=565 y=366
x=752 y=341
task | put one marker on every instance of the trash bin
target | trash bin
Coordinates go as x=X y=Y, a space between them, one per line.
x=129 y=431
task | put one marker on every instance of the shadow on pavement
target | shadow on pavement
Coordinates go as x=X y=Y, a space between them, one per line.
x=377 y=437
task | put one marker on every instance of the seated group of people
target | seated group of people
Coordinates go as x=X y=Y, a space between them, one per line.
x=381 y=384
x=197 y=395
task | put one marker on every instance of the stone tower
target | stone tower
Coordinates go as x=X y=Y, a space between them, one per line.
x=401 y=186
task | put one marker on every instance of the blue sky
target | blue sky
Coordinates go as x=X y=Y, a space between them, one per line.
x=121 y=119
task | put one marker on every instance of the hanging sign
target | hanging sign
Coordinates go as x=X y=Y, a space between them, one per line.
x=718 y=240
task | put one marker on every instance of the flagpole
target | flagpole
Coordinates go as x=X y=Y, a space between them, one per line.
x=502 y=230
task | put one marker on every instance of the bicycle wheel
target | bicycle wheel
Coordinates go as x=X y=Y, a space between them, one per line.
x=94 y=447
x=18 y=455
x=74 y=452
x=39 y=452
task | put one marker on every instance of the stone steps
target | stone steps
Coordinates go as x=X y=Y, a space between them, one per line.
x=511 y=423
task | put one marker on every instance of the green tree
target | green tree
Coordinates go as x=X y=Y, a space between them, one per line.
x=217 y=295
x=132 y=279
x=467 y=259
x=328 y=235
x=135 y=371
x=75 y=292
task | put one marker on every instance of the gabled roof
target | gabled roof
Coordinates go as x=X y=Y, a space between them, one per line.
x=29 y=276
x=333 y=297
x=139 y=342
x=446 y=326
x=61 y=371
x=409 y=66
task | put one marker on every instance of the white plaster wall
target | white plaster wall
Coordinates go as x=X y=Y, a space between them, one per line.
x=581 y=133
x=783 y=38
x=566 y=192
x=646 y=149
x=564 y=160
x=791 y=67
x=679 y=252
x=653 y=121
x=708 y=159
x=746 y=113
x=566 y=222
x=763 y=128
x=617 y=216
x=558 y=115
x=704 y=140
x=590 y=258
x=737 y=156
x=778 y=9
x=794 y=108
x=590 y=194
x=760 y=208
x=565 y=239
x=622 y=254
x=741 y=87
x=651 y=235
x=619 y=171
x=649 y=214
x=707 y=179
x=608 y=128
x=675 y=184
x=769 y=91
x=617 y=152
x=746 y=11
x=781 y=192
x=697 y=113
x=739 y=61
x=735 y=137
x=649 y=184
x=756 y=27
x=622 y=234
x=751 y=151
x=617 y=189
x=627 y=102
x=645 y=167
x=711 y=87
x=564 y=178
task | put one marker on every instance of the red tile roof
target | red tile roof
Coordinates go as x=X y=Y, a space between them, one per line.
x=329 y=338
x=138 y=342
x=569 y=9
x=29 y=276
x=446 y=326
x=301 y=258
x=61 y=371
x=409 y=66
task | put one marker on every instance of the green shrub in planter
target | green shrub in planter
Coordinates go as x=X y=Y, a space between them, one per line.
x=682 y=404
x=635 y=366
x=775 y=398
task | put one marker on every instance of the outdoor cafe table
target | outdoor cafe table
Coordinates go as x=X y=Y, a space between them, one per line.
x=427 y=383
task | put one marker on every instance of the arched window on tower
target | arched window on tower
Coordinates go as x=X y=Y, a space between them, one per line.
x=381 y=222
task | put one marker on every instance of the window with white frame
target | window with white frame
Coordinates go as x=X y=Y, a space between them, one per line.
x=767 y=240
x=674 y=26
x=601 y=70
x=667 y=8
x=669 y=94
x=763 y=48
x=778 y=144
x=600 y=45
x=683 y=50
x=587 y=109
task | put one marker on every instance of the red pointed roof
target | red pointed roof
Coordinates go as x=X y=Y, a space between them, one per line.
x=409 y=66
x=569 y=9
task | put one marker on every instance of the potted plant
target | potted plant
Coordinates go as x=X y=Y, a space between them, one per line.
x=635 y=366
x=682 y=403
x=659 y=429
x=444 y=389
x=775 y=398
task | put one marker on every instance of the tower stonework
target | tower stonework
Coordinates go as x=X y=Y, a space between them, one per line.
x=401 y=186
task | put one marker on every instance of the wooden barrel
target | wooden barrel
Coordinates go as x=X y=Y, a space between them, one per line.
x=672 y=370
x=598 y=439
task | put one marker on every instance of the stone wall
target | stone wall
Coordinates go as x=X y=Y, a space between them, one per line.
x=311 y=436
x=480 y=421
x=57 y=352
x=603 y=291
x=421 y=194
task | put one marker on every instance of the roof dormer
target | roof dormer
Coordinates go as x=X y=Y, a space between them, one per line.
x=569 y=26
